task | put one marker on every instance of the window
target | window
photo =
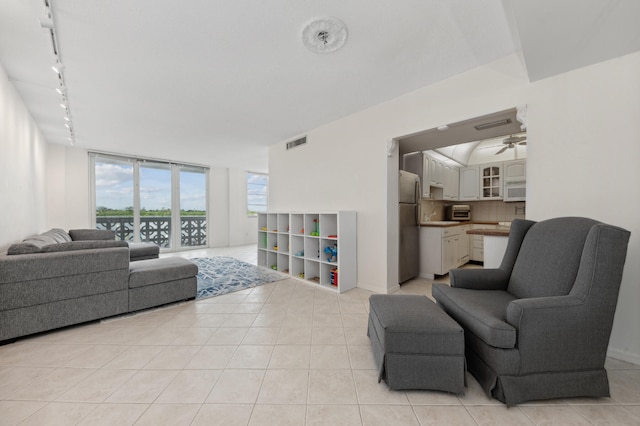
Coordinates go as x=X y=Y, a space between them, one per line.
x=256 y=193
x=150 y=201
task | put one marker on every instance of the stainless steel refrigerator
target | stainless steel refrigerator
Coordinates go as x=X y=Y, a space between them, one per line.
x=409 y=205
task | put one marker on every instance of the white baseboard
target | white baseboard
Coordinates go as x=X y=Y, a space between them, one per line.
x=393 y=289
x=623 y=356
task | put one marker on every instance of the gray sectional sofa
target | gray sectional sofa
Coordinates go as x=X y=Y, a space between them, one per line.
x=57 y=279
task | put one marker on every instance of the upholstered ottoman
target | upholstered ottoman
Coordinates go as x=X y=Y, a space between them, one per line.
x=416 y=345
x=143 y=251
x=155 y=282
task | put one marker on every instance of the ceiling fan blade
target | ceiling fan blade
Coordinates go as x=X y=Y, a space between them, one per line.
x=514 y=139
x=503 y=149
x=524 y=142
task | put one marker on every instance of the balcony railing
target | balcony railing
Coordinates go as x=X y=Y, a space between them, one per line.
x=157 y=229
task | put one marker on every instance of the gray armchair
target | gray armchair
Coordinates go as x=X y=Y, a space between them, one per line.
x=538 y=326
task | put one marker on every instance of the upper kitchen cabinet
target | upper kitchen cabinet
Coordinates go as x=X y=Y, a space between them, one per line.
x=469 y=183
x=437 y=171
x=491 y=181
x=515 y=171
x=417 y=163
x=440 y=181
x=450 y=189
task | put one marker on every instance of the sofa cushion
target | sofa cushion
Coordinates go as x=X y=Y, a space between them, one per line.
x=543 y=269
x=143 y=251
x=92 y=234
x=33 y=244
x=59 y=235
x=482 y=312
x=155 y=271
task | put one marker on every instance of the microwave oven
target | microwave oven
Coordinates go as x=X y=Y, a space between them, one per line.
x=515 y=191
x=460 y=212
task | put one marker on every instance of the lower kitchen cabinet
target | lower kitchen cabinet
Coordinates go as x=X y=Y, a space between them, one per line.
x=442 y=249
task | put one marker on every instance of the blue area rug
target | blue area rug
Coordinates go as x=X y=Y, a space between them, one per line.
x=222 y=275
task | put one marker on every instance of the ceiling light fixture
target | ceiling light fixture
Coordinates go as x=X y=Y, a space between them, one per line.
x=324 y=35
x=46 y=22
x=57 y=67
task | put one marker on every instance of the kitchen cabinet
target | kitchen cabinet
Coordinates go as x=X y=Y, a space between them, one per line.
x=476 y=243
x=426 y=178
x=436 y=175
x=491 y=181
x=300 y=244
x=418 y=163
x=451 y=182
x=442 y=249
x=515 y=171
x=469 y=183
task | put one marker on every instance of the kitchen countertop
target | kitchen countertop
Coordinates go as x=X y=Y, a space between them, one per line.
x=446 y=223
x=490 y=232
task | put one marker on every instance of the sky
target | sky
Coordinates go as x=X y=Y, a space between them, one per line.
x=114 y=187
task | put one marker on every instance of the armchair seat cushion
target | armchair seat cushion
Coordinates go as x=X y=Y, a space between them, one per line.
x=481 y=312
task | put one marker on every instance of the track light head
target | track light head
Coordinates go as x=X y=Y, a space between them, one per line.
x=57 y=67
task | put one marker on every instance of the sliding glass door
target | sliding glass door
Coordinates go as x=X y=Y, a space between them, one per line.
x=114 y=196
x=151 y=201
x=155 y=203
x=193 y=207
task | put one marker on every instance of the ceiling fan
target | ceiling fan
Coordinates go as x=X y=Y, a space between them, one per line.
x=511 y=142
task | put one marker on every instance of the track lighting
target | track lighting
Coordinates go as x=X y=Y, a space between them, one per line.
x=46 y=22
x=57 y=67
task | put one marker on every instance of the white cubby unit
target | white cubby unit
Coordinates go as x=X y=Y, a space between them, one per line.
x=318 y=248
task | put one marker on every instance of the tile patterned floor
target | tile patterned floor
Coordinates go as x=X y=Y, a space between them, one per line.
x=285 y=353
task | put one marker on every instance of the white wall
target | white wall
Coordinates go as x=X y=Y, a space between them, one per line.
x=582 y=160
x=23 y=149
x=68 y=187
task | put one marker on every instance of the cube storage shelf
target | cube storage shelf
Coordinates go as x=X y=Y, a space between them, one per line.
x=295 y=243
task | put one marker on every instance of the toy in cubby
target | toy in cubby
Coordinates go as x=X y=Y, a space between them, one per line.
x=332 y=253
x=316 y=228
x=334 y=277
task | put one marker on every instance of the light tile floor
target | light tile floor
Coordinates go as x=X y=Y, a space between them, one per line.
x=285 y=353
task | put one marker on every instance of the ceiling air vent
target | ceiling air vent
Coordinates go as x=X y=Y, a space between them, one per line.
x=297 y=142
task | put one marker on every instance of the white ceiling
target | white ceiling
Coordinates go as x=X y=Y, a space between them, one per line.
x=217 y=81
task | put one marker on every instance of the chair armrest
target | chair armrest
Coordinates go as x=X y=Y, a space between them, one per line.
x=479 y=279
x=558 y=333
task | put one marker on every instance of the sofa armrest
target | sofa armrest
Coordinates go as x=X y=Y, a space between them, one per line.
x=92 y=234
x=557 y=333
x=479 y=279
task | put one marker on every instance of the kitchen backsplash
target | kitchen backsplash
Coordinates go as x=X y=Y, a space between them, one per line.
x=481 y=211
